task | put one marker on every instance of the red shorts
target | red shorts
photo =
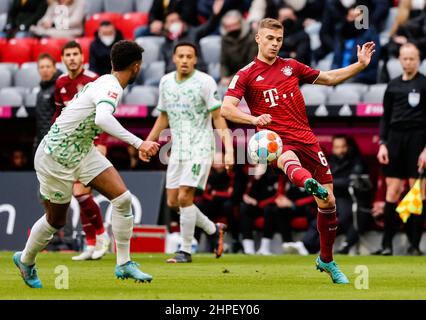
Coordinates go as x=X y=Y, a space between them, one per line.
x=312 y=159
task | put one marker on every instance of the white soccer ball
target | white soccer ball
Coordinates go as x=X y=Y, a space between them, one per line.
x=265 y=146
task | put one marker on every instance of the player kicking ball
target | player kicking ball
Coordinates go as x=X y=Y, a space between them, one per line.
x=67 y=154
x=270 y=85
x=188 y=102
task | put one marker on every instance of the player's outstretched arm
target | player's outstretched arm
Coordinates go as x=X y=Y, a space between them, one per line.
x=334 y=77
x=161 y=123
x=230 y=111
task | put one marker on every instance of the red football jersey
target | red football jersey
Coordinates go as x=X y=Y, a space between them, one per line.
x=66 y=88
x=274 y=89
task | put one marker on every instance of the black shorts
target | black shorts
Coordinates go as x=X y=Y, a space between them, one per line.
x=404 y=149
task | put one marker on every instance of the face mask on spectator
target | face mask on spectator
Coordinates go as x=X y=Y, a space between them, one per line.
x=175 y=30
x=288 y=24
x=347 y=3
x=234 y=33
x=107 y=40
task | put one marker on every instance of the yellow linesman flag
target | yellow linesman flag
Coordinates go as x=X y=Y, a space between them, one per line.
x=412 y=203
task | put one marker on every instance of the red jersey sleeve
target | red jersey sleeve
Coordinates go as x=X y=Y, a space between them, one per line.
x=305 y=73
x=237 y=86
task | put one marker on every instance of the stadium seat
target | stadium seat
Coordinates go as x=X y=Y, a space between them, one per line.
x=361 y=88
x=151 y=49
x=10 y=97
x=152 y=73
x=143 y=5
x=17 y=50
x=393 y=12
x=325 y=89
x=13 y=67
x=120 y=6
x=374 y=96
x=5 y=77
x=51 y=46
x=394 y=68
x=210 y=48
x=214 y=71
x=92 y=24
x=4 y=6
x=30 y=99
x=27 y=77
x=343 y=97
x=85 y=47
x=423 y=67
x=93 y=6
x=313 y=95
x=142 y=95
x=325 y=64
x=131 y=21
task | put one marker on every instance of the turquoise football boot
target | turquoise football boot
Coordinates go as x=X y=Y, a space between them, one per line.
x=333 y=270
x=314 y=188
x=130 y=270
x=28 y=273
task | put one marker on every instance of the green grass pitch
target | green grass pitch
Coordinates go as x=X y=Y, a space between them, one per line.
x=230 y=277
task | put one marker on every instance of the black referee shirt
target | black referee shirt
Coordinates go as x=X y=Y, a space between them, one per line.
x=404 y=106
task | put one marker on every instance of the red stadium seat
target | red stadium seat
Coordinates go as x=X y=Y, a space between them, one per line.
x=18 y=50
x=85 y=47
x=51 y=46
x=3 y=42
x=92 y=24
x=131 y=21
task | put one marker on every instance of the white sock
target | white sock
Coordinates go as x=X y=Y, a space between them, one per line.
x=188 y=217
x=41 y=233
x=204 y=223
x=122 y=226
x=248 y=245
x=265 y=245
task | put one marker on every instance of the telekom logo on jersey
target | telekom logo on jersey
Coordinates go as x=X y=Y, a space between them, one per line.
x=271 y=96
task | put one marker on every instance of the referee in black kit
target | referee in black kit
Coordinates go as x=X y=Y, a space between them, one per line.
x=402 y=149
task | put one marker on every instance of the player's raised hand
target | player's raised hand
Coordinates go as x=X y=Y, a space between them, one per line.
x=262 y=120
x=365 y=53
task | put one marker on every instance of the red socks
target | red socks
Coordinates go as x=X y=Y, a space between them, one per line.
x=296 y=173
x=91 y=218
x=327 y=227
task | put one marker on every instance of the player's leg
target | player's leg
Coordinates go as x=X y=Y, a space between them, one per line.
x=391 y=220
x=301 y=177
x=269 y=213
x=327 y=228
x=414 y=230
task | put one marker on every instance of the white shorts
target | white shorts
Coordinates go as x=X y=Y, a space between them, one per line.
x=56 y=181
x=188 y=173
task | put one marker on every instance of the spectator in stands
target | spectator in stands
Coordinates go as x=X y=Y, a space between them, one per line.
x=402 y=149
x=345 y=163
x=23 y=14
x=63 y=19
x=258 y=200
x=238 y=45
x=412 y=30
x=100 y=48
x=407 y=9
x=292 y=203
x=297 y=43
x=19 y=160
x=45 y=106
x=346 y=40
x=160 y=9
x=179 y=31
x=205 y=7
x=336 y=16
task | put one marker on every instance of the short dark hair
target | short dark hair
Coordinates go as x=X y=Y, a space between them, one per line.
x=186 y=44
x=124 y=53
x=70 y=45
x=105 y=23
x=47 y=56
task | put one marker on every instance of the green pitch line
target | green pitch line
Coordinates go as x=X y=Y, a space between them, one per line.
x=230 y=277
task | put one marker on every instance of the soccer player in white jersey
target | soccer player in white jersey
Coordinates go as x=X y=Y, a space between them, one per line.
x=67 y=154
x=188 y=102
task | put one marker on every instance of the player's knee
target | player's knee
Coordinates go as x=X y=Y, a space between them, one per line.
x=392 y=195
x=123 y=203
x=184 y=199
x=173 y=204
x=56 y=222
x=330 y=202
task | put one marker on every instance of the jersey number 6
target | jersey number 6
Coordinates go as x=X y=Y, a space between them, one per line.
x=322 y=159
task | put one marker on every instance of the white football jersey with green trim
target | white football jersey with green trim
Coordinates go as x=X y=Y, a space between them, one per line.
x=188 y=105
x=71 y=136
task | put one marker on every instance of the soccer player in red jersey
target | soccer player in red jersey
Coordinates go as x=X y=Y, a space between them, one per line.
x=270 y=85
x=66 y=87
